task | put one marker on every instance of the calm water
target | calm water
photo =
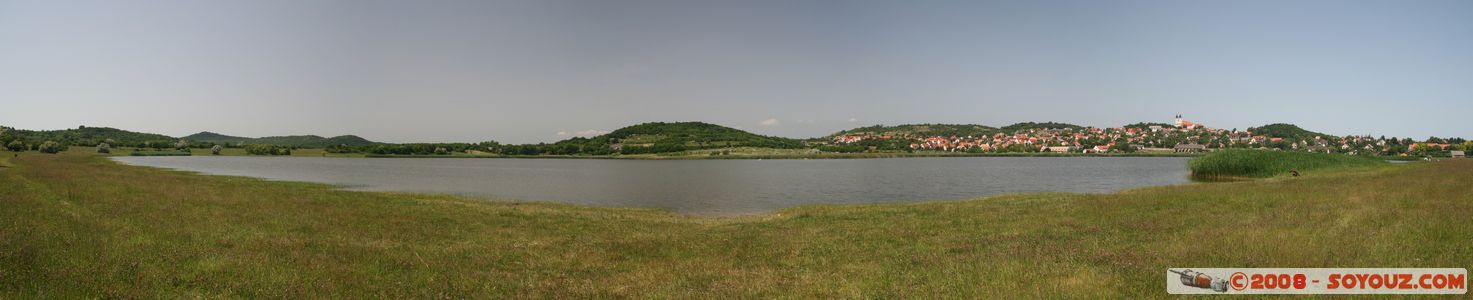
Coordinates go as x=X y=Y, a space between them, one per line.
x=708 y=187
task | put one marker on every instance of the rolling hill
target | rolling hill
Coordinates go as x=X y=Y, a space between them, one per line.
x=86 y=136
x=305 y=141
x=925 y=130
x=661 y=137
x=693 y=135
x=1034 y=125
x=1289 y=131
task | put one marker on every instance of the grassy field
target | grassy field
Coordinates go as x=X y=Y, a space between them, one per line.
x=81 y=226
x=1261 y=163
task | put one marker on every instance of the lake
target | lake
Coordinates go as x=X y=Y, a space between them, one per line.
x=703 y=187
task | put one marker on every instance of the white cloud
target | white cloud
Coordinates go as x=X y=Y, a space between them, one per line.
x=769 y=122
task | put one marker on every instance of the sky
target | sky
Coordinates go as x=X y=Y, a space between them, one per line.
x=546 y=70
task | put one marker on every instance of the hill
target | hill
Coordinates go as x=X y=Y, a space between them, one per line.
x=86 y=136
x=216 y=138
x=1044 y=125
x=691 y=135
x=304 y=141
x=657 y=137
x=1288 y=131
x=1147 y=125
x=925 y=130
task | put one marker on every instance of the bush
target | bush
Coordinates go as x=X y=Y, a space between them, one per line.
x=16 y=146
x=215 y=150
x=104 y=148
x=51 y=147
x=340 y=149
x=181 y=145
x=264 y=149
x=1258 y=163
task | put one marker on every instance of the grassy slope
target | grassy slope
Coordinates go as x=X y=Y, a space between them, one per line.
x=1260 y=163
x=81 y=226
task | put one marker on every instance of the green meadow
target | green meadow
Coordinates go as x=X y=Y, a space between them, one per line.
x=78 y=225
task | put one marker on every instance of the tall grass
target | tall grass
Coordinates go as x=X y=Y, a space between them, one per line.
x=1258 y=163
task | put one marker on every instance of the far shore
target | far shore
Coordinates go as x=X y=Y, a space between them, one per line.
x=668 y=156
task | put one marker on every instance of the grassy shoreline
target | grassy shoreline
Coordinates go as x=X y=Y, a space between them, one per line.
x=1244 y=164
x=82 y=226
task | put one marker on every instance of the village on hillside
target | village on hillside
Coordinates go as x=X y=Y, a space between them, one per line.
x=1177 y=137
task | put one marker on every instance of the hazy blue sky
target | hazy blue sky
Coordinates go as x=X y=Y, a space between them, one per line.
x=524 y=71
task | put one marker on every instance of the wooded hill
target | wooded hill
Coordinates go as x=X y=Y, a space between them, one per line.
x=1288 y=131
x=302 y=141
x=657 y=137
x=924 y=130
x=85 y=136
x=1044 y=125
x=953 y=129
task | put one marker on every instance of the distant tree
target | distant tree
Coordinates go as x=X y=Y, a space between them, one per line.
x=215 y=150
x=51 y=147
x=266 y=149
x=104 y=148
x=181 y=145
x=1122 y=146
x=340 y=149
x=16 y=146
x=441 y=151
